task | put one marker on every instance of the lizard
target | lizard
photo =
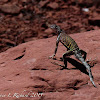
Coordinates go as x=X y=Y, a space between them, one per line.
x=72 y=49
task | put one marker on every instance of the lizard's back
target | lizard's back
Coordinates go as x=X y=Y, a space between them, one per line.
x=68 y=42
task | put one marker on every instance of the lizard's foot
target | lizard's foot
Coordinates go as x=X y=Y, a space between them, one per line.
x=91 y=63
x=52 y=57
x=88 y=60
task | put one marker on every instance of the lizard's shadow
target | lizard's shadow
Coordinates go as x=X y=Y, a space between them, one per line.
x=77 y=65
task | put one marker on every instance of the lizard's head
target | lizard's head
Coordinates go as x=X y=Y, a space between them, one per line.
x=56 y=28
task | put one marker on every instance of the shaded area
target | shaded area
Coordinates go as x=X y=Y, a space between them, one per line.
x=19 y=57
x=78 y=65
x=75 y=63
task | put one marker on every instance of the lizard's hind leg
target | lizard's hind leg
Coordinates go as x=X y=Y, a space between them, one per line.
x=83 y=53
x=65 y=57
x=90 y=62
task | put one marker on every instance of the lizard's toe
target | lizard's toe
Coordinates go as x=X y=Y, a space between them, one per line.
x=52 y=57
x=91 y=63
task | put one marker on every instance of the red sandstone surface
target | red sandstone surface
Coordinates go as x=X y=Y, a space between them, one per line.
x=26 y=69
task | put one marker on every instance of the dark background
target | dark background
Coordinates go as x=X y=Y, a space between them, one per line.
x=25 y=20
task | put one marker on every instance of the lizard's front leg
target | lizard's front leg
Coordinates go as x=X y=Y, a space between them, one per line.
x=53 y=56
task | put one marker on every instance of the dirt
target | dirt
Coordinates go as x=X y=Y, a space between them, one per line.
x=25 y=20
x=26 y=71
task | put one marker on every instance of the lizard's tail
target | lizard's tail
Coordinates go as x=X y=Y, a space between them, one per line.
x=87 y=67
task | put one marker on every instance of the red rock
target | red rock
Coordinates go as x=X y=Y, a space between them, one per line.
x=24 y=0
x=95 y=20
x=53 y=5
x=49 y=31
x=3 y=1
x=26 y=69
x=43 y=3
x=8 y=42
x=88 y=3
x=10 y=8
